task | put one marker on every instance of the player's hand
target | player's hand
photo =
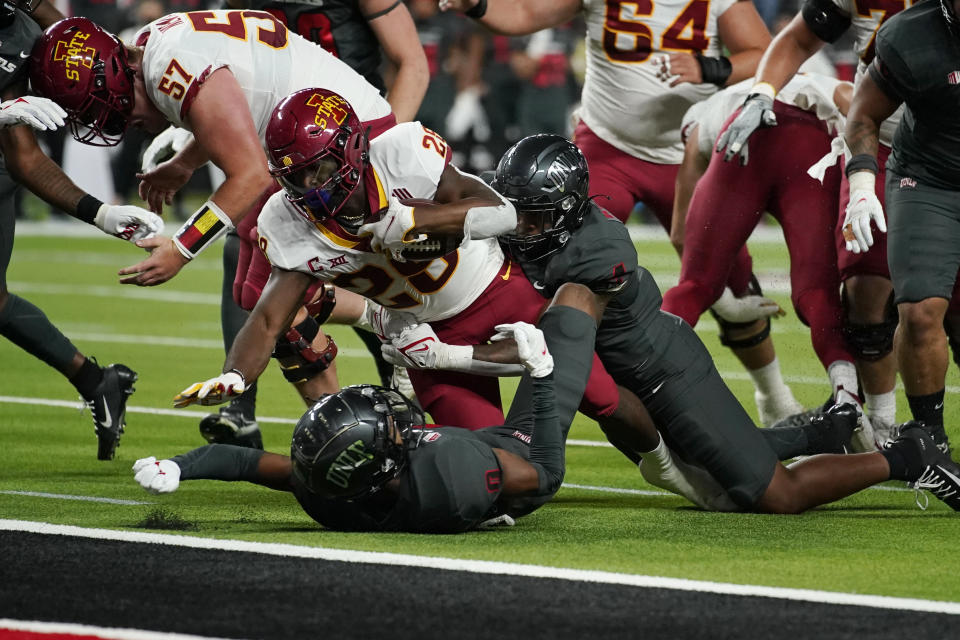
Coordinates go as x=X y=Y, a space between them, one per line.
x=39 y=113
x=416 y=347
x=756 y=113
x=157 y=476
x=128 y=222
x=746 y=309
x=864 y=207
x=165 y=261
x=386 y=324
x=674 y=68
x=393 y=230
x=158 y=186
x=217 y=390
x=531 y=347
x=164 y=146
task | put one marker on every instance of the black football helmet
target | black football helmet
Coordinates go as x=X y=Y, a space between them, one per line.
x=8 y=8
x=545 y=176
x=950 y=15
x=346 y=445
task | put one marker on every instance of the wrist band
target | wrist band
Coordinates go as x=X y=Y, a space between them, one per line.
x=477 y=11
x=714 y=70
x=862 y=162
x=239 y=373
x=202 y=229
x=87 y=208
x=764 y=89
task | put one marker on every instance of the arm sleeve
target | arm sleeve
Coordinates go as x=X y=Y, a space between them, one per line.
x=219 y=462
x=827 y=21
x=570 y=335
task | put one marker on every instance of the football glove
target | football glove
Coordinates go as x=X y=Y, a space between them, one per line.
x=157 y=476
x=745 y=309
x=416 y=347
x=217 y=390
x=391 y=231
x=39 y=113
x=757 y=112
x=128 y=222
x=531 y=347
x=864 y=207
x=164 y=146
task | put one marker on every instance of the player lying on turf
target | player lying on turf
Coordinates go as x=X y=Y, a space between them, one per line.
x=363 y=459
x=563 y=237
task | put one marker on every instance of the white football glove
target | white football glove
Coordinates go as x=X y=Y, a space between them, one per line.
x=217 y=390
x=531 y=347
x=128 y=222
x=39 y=113
x=391 y=231
x=745 y=309
x=165 y=145
x=157 y=476
x=863 y=208
x=384 y=323
x=416 y=347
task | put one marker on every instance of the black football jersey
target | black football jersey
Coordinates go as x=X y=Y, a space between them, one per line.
x=918 y=61
x=16 y=42
x=337 y=26
x=452 y=484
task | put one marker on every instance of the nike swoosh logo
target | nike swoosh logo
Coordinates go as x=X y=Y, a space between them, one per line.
x=24 y=55
x=539 y=286
x=938 y=407
x=657 y=388
x=506 y=276
x=108 y=419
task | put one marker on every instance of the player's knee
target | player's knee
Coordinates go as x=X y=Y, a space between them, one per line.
x=781 y=496
x=921 y=319
x=742 y=335
x=298 y=360
x=870 y=341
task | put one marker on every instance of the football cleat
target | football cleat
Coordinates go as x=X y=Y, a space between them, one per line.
x=939 y=435
x=108 y=406
x=835 y=427
x=803 y=417
x=773 y=408
x=883 y=431
x=937 y=474
x=230 y=426
x=863 y=440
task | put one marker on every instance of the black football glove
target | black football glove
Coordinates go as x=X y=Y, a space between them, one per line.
x=757 y=112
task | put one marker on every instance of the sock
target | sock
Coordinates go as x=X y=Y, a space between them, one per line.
x=87 y=378
x=843 y=376
x=882 y=406
x=26 y=326
x=768 y=380
x=247 y=402
x=927 y=409
x=904 y=459
x=897 y=462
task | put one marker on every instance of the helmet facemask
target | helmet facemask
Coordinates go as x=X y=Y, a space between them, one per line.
x=102 y=118
x=543 y=226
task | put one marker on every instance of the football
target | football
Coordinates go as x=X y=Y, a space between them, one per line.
x=432 y=247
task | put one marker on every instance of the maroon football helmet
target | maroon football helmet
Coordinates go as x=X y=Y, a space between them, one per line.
x=317 y=150
x=84 y=69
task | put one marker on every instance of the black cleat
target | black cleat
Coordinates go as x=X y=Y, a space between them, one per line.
x=230 y=426
x=803 y=418
x=835 y=427
x=108 y=406
x=937 y=473
x=939 y=435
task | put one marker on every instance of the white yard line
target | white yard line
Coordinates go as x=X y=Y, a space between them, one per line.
x=495 y=568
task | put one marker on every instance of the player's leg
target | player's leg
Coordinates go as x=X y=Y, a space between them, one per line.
x=870 y=317
x=610 y=173
x=104 y=389
x=924 y=256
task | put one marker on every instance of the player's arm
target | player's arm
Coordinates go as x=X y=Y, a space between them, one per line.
x=250 y=352
x=224 y=133
x=798 y=42
x=463 y=206
x=393 y=25
x=692 y=168
x=215 y=462
x=516 y=17
x=745 y=36
x=45 y=14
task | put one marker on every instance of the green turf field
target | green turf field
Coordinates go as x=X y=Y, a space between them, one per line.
x=606 y=517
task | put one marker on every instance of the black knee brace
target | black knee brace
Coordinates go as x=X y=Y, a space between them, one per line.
x=726 y=327
x=870 y=342
x=298 y=360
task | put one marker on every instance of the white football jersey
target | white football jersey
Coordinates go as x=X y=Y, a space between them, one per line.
x=623 y=102
x=407 y=162
x=182 y=49
x=807 y=91
x=866 y=16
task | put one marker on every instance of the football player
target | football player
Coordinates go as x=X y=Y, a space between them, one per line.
x=364 y=459
x=916 y=65
x=646 y=65
x=392 y=220
x=563 y=237
x=104 y=389
x=355 y=32
x=809 y=116
x=870 y=317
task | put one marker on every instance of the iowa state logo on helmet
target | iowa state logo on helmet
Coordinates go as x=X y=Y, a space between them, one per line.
x=74 y=53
